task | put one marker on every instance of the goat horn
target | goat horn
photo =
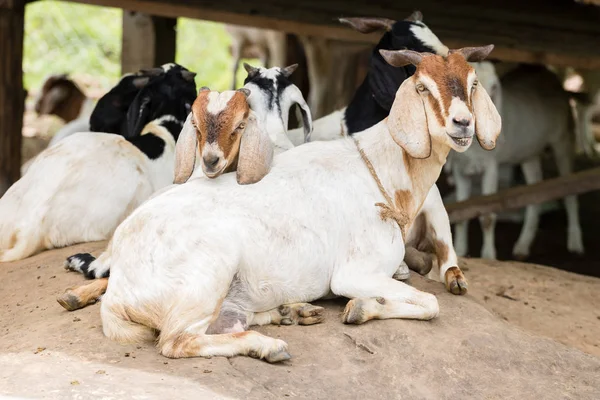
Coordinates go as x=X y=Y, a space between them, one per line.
x=289 y=70
x=474 y=54
x=368 y=25
x=250 y=69
x=245 y=91
x=416 y=16
x=188 y=75
x=151 y=71
x=400 y=58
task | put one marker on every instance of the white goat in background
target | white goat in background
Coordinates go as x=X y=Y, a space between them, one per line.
x=80 y=189
x=310 y=228
x=535 y=114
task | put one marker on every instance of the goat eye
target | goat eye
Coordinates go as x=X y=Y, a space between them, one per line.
x=241 y=126
x=421 y=88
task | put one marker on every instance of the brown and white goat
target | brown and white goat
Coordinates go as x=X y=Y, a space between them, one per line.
x=62 y=97
x=316 y=224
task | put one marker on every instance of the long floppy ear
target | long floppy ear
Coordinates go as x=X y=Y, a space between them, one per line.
x=408 y=123
x=54 y=96
x=256 y=153
x=185 y=151
x=294 y=95
x=488 y=122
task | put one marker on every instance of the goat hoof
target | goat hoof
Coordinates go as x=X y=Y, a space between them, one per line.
x=456 y=283
x=402 y=273
x=354 y=313
x=278 y=356
x=300 y=314
x=69 y=301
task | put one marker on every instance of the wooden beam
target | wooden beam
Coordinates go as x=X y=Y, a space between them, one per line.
x=522 y=196
x=559 y=32
x=12 y=93
x=148 y=41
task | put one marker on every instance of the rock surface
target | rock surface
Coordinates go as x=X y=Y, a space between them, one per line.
x=467 y=352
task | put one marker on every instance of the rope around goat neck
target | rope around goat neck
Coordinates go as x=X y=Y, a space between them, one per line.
x=389 y=210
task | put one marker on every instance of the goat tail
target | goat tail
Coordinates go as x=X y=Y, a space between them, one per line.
x=88 y=265
x=20 y=245
x=119 y=326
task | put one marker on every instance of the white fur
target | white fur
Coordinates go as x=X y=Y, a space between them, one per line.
x=217 y=102
x=79 y=190
x=309 y=229
x=424 y=34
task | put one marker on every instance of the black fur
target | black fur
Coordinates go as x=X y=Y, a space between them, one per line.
x=151 y=145
x=373 y=100
x=266 y=85
x=85 y=259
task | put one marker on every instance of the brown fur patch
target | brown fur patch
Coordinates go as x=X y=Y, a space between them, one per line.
x=450 y=75
x=220 y=128
x=83 y=295
x=404 y=201
x=441 y=251
x=70 y=107
x=182 y=346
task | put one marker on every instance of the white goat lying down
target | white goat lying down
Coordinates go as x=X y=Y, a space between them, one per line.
x=536 y=114
x=310 y=228
x=371 y=104
x=80 y=189
x=219 y=149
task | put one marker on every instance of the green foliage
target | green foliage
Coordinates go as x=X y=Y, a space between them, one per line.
x=85 y=40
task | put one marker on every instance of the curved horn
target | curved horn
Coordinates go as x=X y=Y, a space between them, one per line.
x=400 y=58
x=368 y=25
x=474 y=54
x=188 y=75
x=289 y=70
x=252 y=71
x=416 y=16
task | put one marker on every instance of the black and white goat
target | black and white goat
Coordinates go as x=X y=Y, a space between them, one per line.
x=374 y=98
x=80 y=189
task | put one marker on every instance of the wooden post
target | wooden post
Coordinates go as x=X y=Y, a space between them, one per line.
x=12 y=93
x=521 y=196
x=148 y=41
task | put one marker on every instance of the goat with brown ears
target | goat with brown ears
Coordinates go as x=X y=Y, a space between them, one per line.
x=316 y=224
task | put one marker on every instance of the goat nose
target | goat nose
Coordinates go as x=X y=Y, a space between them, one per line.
x=462 y=121
x=211 y=161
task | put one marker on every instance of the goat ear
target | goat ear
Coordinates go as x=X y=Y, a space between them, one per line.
x=255 y=154
x=488 y=122
x=307 y=123
x=137 y=116
x=53 y=97
x=474 y=54
x=368 y=25
x=289 y=70
x=408 y=123
x=185 y=151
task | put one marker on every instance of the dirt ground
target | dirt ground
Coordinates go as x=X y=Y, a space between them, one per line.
x=494 y=343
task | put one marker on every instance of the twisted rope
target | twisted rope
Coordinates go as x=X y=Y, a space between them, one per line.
x=389 y=210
